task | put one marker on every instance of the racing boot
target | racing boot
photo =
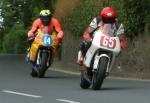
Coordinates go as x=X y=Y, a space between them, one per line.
x=80 y=59
x=27 y=55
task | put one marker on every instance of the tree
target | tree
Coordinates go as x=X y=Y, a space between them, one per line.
x=135 y=17
x=20 y=13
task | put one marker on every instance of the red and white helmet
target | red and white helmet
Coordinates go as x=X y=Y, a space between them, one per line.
x=108 y=15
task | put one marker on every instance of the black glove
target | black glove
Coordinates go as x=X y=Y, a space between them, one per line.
x=60 y=43
x=30 y=41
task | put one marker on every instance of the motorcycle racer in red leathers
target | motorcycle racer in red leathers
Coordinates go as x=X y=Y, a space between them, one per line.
x=47 y=23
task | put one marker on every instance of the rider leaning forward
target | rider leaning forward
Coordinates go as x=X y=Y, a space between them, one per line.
x=48 y=24
x=107 y=15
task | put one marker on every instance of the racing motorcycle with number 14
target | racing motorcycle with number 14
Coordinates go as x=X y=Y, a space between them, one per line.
x=42 y=53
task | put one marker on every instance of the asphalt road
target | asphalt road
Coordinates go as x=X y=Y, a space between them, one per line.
x=17 y=86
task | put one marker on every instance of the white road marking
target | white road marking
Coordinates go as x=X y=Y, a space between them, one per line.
x=22 y=94
x=65 y=71
x=67 y=101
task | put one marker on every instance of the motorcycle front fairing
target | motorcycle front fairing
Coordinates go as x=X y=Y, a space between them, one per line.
x=103 y=42
x=41 y=40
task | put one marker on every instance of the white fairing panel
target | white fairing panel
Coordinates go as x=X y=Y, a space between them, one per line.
x=88 y=57
x=101 y=41
x=108 y=43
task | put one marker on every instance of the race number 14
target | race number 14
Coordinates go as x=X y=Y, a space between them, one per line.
x=47 y=40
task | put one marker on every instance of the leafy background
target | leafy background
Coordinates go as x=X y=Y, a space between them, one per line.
x=75 y=16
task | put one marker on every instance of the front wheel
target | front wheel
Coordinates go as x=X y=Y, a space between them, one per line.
x=100 y=74
x=85 y=82
x=43 y=64
x=34 y=73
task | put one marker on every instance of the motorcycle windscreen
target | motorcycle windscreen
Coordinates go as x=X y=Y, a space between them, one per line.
x=108 y=29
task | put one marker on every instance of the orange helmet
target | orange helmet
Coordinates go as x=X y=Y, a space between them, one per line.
x=108 y=15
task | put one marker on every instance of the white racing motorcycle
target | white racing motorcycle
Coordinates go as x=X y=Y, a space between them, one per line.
x=100 y=56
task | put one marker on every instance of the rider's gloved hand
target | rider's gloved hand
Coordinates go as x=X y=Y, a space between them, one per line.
x=59 y=37
x=58 y=42
x=86 y=37
x=30 y=34
x=30 y=40
x=30 y=37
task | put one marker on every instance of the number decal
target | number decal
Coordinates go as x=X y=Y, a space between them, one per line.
x=108 y=42
x=47 y=40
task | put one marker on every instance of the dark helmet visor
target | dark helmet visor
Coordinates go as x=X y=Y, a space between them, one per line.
x=108 y=20
x=45 y=19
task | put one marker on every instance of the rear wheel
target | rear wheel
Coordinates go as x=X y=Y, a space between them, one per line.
x=99 y=75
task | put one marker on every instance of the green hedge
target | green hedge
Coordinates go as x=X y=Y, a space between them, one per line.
x=16 y=40
x=18 y=17
x=80 y=17
x=134 y=14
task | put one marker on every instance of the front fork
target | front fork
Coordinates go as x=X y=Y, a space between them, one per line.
x=96 y=62
x=39 y=57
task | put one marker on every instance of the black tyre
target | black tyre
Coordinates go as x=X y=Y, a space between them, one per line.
x=34 y=73
x=85 y=81
x=43 y=64
x=99 y=76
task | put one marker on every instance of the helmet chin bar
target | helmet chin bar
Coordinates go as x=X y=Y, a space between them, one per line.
x=45 y=22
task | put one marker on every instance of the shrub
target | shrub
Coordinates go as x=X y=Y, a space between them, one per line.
x=15 y=40
x=80 y=17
